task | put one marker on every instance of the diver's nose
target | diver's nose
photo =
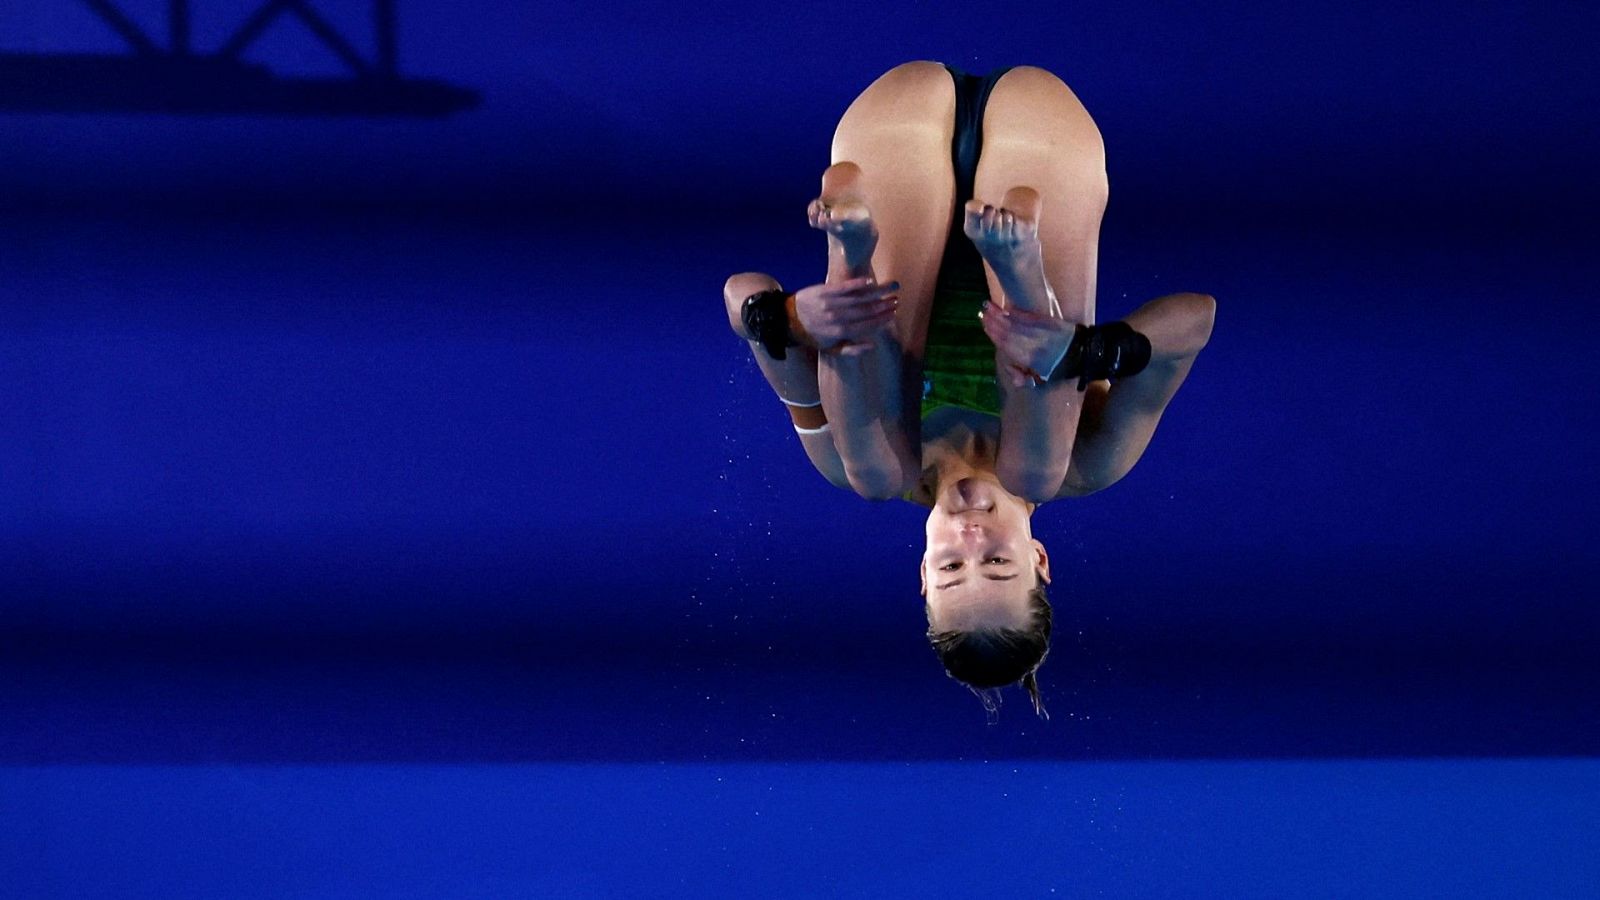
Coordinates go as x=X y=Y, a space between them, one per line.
x=973 y=495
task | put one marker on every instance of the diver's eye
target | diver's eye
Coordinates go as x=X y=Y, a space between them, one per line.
x=950 y=567
x=997 y=560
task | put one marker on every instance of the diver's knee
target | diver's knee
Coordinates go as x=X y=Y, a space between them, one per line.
x=874 y=482
x=1035 y=483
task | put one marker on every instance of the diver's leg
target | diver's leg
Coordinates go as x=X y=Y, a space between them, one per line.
x=1043 y=162
x=891 y=162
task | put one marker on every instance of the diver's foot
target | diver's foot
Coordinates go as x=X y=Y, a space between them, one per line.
x=844 y=216
x=1007 y=237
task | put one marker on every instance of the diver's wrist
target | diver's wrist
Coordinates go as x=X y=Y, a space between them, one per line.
x=797 y=329
x=766 y=319
x=1047 y=373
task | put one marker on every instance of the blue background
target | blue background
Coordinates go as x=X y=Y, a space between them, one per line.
x=329 y=444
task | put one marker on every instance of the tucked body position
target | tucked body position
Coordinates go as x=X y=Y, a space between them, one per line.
x=951 y=357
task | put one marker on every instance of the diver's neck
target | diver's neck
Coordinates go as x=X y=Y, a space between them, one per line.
x=948 y=463
x=950 y=433
x=961 y=448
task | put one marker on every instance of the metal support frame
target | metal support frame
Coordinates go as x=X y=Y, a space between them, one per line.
x=164 y=72
x=178 y=27
x=383 y=25
x=123 y=26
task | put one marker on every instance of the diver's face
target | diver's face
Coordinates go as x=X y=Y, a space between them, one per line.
x=982 y=560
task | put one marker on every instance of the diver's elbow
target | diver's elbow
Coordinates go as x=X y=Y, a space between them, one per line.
x=869 y=489
x=1201 y=313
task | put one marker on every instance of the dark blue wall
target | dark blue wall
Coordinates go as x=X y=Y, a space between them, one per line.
x=387 y=421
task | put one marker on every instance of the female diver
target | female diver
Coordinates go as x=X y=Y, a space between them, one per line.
x=951 y=358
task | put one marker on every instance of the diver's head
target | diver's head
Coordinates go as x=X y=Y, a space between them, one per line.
x=983 y=578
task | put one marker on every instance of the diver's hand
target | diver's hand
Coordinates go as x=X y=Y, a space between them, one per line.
x=1030 y=344
x=845 y=316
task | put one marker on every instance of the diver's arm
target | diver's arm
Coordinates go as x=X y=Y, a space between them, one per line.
x=863 y=396
x=1119 y=419
x=1038 y=419
x=1037 y=428
x=793 y=379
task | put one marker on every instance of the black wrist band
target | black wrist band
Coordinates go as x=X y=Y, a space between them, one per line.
x=1112 y=350
x=766 y=318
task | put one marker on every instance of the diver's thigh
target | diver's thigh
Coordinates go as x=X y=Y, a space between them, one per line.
x=1037 y=134
x=898 y=131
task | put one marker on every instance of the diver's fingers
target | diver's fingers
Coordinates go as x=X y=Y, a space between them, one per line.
x=857 y=291
x=1011 y=345
x=854 y=315
x=1022 y=320
x=831 y=291
x=1039 y=334
x=1039 y=323
x=998 y=328
x=849 y=284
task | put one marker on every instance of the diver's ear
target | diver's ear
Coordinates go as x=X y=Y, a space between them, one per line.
x=1043 y=564
x=922 y=575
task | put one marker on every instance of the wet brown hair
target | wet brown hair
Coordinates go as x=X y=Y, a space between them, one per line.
x=988 y=659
